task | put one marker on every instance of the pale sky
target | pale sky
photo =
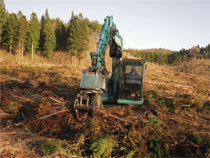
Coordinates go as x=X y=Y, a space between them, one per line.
x=170 y=24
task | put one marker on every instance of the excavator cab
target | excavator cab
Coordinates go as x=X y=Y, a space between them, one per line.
x=131 y=82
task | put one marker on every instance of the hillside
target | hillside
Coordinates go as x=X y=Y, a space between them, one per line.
x=185 y=79
x=37 y=117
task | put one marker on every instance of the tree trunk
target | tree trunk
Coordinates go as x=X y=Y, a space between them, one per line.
x=22 y=51
x=19 y=52
x=71 y=58
x=10 y=47
x=32 y=52
x=75 y=61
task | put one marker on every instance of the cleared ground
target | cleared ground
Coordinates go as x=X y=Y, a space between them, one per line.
x=36 y=100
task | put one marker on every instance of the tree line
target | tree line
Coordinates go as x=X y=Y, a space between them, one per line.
x=159 y=56
x=164 y=56
x=195 y=52
x=21 y=36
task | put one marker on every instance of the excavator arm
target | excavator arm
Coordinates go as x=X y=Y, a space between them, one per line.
x=109 y=36
x=94 y=79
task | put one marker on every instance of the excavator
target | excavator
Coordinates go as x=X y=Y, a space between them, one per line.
x=124 y=87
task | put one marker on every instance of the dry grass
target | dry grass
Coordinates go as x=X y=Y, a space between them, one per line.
x=170 y=80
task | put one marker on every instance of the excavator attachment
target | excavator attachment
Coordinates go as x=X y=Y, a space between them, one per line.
x=92 y=86
x=88 y=100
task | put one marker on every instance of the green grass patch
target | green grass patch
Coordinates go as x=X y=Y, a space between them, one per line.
x=194 y=138
x=48 y=147
x=199 y=105
x=155 y=121
x=131 y=154
x=26 y=92
x=166 y=102
x=162 y=102
x=150 y=98
x=8 y=104
x=12 y=108
x=152 y=94
x=157 y=148
x=103 y=147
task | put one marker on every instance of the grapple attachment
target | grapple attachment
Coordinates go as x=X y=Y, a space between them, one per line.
x=88 y=100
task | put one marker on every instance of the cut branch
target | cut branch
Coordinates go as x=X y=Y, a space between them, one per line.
x=43 y=117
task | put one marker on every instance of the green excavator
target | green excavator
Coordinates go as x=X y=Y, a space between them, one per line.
x=124 y=87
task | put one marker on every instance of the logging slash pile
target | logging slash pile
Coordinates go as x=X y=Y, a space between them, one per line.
x=37 y=119
x=106 y=134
